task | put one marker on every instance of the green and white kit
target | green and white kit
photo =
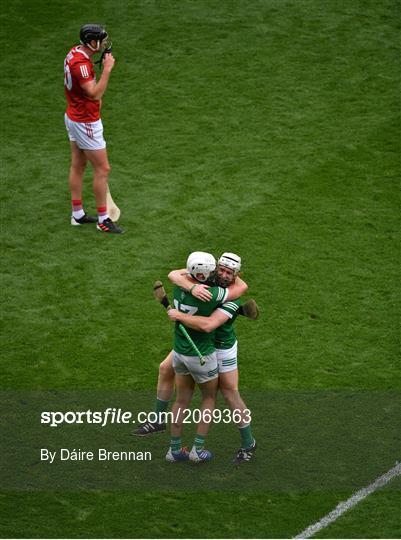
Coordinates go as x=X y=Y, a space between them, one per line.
x=225 y=339
x=219 y=347
x=184 y=360
x=186 y=303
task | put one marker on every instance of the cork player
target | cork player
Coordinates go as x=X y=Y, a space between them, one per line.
x=84 y=126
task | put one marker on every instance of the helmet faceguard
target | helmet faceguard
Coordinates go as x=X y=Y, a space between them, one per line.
x=94 y=32
x=201 y=265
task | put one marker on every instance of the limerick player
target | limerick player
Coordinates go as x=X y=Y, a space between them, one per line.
x=166 y=377
x=221 y=321
x=187 y=366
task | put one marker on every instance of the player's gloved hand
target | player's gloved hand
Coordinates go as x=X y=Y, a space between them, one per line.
x=108 y=62
x=201 y=292
x=173 y=314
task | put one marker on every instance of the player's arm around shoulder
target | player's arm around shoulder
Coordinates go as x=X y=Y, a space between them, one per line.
x=182 y=280
x=237 y=289
x=219 y=294
x=198 y=322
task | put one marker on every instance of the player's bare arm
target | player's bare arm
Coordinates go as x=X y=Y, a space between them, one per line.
x=182 y=279
x=96 y=90
x=237 y=289
x=197 y=322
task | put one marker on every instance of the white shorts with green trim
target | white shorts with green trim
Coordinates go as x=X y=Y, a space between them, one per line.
x=190 y=365
x=227 y=358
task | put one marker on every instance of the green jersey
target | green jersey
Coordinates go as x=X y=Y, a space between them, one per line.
x=186 y=303
x=225 y=337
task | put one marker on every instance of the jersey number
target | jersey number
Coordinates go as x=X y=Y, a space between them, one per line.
x=184 y=308
x=67 y=76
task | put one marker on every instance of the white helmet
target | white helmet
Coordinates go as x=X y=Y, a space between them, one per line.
x=200 y=262
x=230 y=260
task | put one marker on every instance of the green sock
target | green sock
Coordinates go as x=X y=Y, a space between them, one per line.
x=246 y=436
x=175 y=443
x=199 y=442
x=161 y=406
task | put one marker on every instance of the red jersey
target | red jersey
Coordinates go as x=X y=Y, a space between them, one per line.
x=78 y=69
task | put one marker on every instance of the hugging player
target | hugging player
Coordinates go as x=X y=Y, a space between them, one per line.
x=220 y=325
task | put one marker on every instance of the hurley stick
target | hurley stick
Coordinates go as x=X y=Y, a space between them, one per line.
x=161 y=296
x=112 y=209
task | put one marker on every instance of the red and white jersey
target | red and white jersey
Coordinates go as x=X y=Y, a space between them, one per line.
x=78 y=69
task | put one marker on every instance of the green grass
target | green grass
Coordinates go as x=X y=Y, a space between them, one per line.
x=268 y=128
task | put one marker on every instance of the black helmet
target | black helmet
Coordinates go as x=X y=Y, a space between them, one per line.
x=90 y=32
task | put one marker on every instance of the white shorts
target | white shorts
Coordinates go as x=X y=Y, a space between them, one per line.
x=86 y=136
x=227 y=358
x=190 y=365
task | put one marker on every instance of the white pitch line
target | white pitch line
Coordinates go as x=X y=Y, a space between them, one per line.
x=344 y=506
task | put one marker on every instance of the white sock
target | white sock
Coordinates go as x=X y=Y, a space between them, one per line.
x=102 y=217
x=78 y=213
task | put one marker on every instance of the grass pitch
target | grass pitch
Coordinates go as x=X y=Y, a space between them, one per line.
x=267 y=128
